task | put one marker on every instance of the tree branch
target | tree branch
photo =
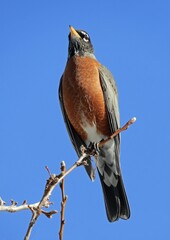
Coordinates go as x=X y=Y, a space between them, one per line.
x=31 y=224
x=52 y=182
x=125 y=127
x=63 y=203
x=15 y=208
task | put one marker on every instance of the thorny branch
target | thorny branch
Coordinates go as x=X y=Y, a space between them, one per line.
x=52 y=182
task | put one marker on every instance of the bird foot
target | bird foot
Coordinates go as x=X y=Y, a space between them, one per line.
x=93 y=148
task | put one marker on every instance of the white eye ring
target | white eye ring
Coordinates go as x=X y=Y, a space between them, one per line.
x=86 y=39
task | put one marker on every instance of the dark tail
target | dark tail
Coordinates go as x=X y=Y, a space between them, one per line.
x=116 y=201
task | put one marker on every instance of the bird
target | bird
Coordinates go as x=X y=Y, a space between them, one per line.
x=88 y=99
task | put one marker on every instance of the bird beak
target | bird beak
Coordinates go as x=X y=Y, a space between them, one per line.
x=73 y=32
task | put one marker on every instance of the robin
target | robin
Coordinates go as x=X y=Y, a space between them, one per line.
x=89 y=102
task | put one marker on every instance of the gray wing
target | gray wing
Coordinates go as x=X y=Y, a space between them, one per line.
x=75 y=138
x=111 y=96
x=115 y=196
x=111 y=100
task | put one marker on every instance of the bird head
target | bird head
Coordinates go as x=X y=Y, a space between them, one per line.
x=79 y=43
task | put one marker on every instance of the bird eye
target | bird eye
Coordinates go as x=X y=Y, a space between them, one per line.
x=86 y=38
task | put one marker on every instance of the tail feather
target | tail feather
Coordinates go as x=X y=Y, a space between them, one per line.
x=116 y=201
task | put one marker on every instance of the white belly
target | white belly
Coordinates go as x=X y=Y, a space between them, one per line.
x=92 y=134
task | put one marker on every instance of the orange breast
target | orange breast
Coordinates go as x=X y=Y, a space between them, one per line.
x=83 y=97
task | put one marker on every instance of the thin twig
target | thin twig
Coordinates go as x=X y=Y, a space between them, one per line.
x=15 y=208
x=63 y=203
x=125 y=127
x=52 y=182
x=32 y=223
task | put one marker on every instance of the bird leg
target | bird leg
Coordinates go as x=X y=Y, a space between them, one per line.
x=93 y=148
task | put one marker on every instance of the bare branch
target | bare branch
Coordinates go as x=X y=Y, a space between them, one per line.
x=63 y=203
x=125 y=127
x=52 y=182
x=15 y=208
x=2 y=202
x=31 y=224
x=49 y=214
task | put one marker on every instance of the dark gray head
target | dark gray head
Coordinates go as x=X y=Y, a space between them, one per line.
x=79 y=43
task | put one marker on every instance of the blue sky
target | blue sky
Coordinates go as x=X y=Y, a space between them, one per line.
x=131 y=38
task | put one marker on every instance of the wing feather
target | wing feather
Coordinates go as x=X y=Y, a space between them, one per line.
x=111 y=100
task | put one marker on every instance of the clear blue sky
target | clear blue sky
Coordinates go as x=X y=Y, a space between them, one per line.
x=131 y=38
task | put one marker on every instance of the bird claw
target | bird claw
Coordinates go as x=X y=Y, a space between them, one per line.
x=93 y=148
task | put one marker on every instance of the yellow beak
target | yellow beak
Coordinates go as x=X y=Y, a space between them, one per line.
x=73 y=32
